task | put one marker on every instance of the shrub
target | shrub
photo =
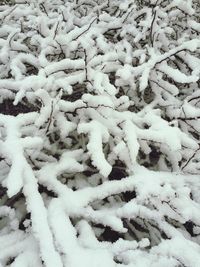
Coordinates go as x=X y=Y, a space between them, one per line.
x=99 y=133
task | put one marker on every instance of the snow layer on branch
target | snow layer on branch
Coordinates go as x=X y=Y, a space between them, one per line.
x=64 y=65
x=131 y=138
x=98 y=135
x=176 y=75
x=12 y=143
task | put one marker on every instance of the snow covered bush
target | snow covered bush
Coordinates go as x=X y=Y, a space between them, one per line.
x=99 y=133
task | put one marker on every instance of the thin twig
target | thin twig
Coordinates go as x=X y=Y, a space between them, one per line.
x=56 y=30
x=193 y=155
x=50 y=117
x=85 y=30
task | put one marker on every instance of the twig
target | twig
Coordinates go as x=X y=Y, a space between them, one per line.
x=85 y=30
x=151 y=28
x=181 y=50
x=56 y=30
x=12 y=38
x=86 y=70
x=128 y=15
x=50 y=117
x=42 y=5
x=193 y=155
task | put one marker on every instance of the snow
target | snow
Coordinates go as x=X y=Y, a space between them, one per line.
x=98 y=134
x=91 y=172
x=194 y=25
x=132 y=143
x=177 y=75
x=63 y=65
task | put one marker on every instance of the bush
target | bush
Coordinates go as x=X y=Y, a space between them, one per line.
x=99 y=133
